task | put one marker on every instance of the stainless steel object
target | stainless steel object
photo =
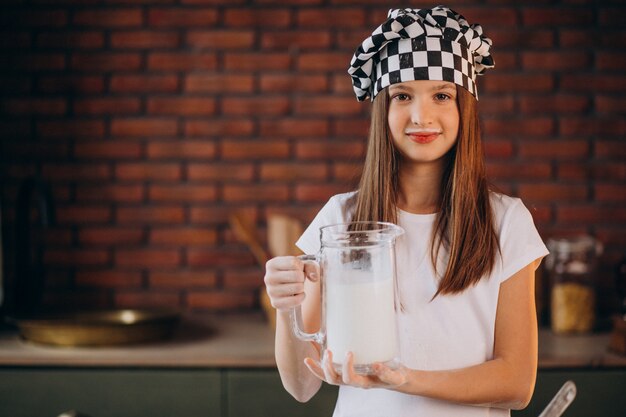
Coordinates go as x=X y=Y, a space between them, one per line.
x=561 y=400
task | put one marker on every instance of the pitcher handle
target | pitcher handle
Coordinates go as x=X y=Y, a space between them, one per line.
x=296 y=315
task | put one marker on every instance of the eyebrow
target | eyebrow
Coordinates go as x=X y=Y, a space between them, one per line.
x=438 y=87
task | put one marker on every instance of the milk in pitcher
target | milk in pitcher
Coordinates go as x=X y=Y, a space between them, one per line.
x=360 y=318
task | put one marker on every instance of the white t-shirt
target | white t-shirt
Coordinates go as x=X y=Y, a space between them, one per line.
x=451 y=331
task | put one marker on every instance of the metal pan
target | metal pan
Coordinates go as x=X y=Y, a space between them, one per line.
x=98 y=328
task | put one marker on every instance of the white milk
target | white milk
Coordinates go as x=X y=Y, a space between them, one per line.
x=360 y=318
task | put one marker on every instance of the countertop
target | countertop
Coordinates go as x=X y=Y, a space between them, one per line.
x=247 y=341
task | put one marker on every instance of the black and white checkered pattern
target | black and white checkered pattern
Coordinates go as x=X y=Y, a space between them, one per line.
x=420 y=44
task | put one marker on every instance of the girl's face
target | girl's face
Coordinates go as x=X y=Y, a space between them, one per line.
x=423 y=119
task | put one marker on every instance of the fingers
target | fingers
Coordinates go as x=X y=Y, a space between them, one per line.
x=390 y=377
x=315 y=368
x=284 y=282
x=312 y=271
x=330 y=375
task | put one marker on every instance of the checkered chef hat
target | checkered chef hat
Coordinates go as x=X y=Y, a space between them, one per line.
x=420 y=44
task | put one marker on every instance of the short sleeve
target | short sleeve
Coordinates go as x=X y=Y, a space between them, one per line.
x=520 y=242
x=331 y=213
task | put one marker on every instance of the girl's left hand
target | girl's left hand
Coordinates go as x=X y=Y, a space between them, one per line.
x=383 y=377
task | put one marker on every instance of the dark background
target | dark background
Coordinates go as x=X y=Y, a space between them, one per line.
x=153 y=120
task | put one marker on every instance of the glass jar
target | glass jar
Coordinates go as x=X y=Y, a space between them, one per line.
x=571 y=267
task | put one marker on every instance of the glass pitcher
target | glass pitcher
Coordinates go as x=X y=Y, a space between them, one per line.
x=358 y=293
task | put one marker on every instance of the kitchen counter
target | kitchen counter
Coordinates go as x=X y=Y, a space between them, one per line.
x=246 y=341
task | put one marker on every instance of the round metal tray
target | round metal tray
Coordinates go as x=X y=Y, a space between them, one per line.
x=98 y=328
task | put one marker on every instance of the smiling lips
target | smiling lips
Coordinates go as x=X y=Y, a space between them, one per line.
x=423 y=137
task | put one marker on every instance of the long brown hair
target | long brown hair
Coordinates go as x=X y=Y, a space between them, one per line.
x=464 y=225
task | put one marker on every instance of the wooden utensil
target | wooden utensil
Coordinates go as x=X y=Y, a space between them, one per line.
x=282 y=234
x=245 y=231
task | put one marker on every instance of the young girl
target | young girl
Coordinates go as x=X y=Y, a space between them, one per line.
x=465 y=266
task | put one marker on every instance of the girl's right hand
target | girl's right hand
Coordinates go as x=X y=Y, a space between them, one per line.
x=284 y=280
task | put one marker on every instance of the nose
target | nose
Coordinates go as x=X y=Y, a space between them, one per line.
x=421 y=114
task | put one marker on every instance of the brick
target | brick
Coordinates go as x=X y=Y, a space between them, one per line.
x=291 y=83
x=535 y=126
x=266 y=106
x=346 y=171
x=274 y=18
x=294 y=127
x=147 y=258
x=611 y=16
x=601 y=171
x=255 y=149
x=181 y=106
x=34 y=62
x=556 y=61
x=71 y=129
x=213 y=2
x=221 y=300
x=33 y=106
x=89 y=84
x=57 y=237
x=145 y=39
x=182 y=236
x=181 y=61
x=498 y=149
x=256 y=61
x=34 y=18
x=513 y=37
x=220 y=39
x=492 y=16
x=33 y=151
x=168 y=214
x=76 y=257
x=610 y=104
x=336 y=149
x=109 y=193
x=257 y=192
x=144 y=127
x=301 y=39
x=291 y=172
x=72 y=171
x=350 y=39
x=610 y=192
x=319 y=192
x=244 y=279
x=220 y=172
x=224 y=256
x=143 y=83
x=612 y=126
x=562 y=103
x=143 y=299
x=191 y=193
x=590 y=214
x=108 y=150
x=610 y=148
x=105 y=61
x=292 y=2
x=148 y=171
x=578 y=38
x=553 y=192
x=554 y=149
x=328 y=105
x=187 y=149
x=219 y=214
x=83 y=214
x=183 y=279
x=219 y=127
x=15 y=40
x=610 y=61
x=109 y=236
x=106 y=105
x=323 y=61
x=108 y=17
x=325 y=18
x=593 y=83
x=517 y=83
x=218 y=83
x=496 y=105
x=344 y=127
x=182 y=17
x=72 y=40
x=519 y=171
x=560 y=16
x=109 y=279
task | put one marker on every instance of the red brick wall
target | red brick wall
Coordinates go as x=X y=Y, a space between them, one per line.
x=153 y=120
